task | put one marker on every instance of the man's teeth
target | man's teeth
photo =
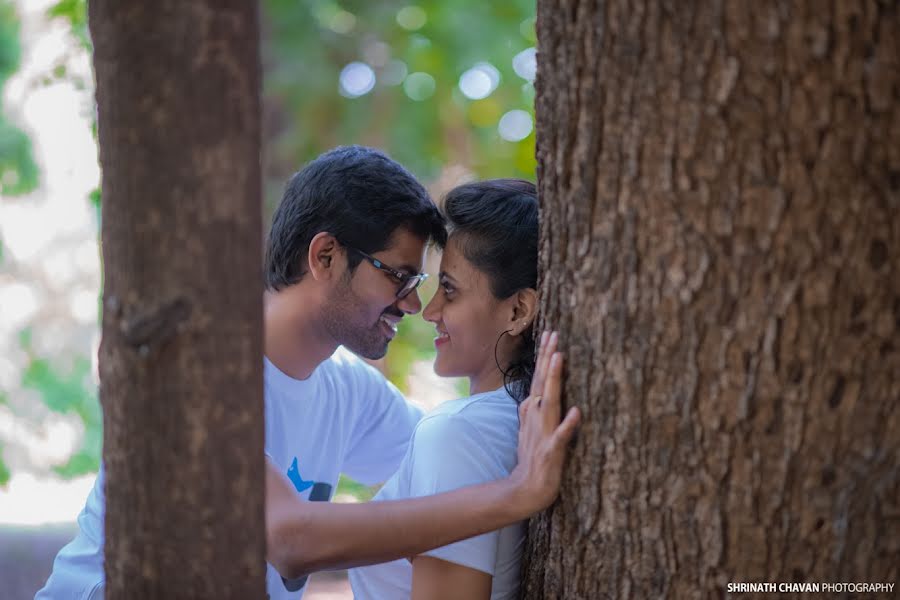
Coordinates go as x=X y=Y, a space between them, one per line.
x=393 y=326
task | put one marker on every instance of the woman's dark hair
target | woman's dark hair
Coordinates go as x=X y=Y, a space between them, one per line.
x=496 y=225
x=358 y=195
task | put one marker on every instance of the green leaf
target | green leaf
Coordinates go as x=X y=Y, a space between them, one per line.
x=71 y=393
x=94 y=199
x=10 y=50
x=75 y=12
x=80 y=463
x=18 y=171
x=61 y=392
x=4 y=470
x=25 y=336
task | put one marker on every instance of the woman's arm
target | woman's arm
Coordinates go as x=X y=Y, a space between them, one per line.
x=436 y=579
x=303 y=537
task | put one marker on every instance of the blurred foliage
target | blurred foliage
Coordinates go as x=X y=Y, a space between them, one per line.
x=18 y=172
x=75 y=12
x=70 y=392
x=306 y=45
x=4 y=470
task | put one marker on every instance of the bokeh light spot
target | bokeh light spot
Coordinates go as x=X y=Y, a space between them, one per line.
x=525 y=64
x=411 y=18
x=419 y=86
x=357 y=79
x=480 y=81
x=515 y=125
x=342 y=22
x=394 y=73
x=475 y=84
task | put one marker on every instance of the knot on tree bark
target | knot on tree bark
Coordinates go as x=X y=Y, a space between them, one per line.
x=154 y=327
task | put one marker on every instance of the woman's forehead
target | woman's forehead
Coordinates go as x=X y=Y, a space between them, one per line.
x=452 y=253
x=455 y=264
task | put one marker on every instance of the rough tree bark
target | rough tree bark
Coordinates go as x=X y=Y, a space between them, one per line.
x=180 y=370
x=720 y=248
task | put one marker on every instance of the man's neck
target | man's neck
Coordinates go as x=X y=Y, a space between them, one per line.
x=295 y=341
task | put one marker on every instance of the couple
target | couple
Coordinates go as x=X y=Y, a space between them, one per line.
x=343 y=261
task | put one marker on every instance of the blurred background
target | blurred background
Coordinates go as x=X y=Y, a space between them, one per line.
x=446 y=88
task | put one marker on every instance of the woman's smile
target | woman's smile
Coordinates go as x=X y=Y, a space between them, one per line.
x=441 y=339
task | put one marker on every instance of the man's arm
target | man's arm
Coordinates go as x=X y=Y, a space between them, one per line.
x=304 y=537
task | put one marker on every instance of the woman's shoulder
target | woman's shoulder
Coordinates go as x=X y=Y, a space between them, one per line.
x=497 y=403
x=485 y=419
x=465 y=441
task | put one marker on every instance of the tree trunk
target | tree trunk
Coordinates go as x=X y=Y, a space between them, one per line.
x=720 y=249
x=180 y=361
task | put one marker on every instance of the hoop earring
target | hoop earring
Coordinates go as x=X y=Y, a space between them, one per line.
x=496 y=358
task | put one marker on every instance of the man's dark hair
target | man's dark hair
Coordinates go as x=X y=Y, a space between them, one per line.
x=496 y=223
x=358 y=195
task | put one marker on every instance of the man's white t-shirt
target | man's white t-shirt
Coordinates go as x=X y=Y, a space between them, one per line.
x=462 y=442
x=344 y=418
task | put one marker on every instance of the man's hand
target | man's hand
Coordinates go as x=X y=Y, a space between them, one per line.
x=542 y=438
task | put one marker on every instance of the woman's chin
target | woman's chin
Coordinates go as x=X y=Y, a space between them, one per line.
x=439 y=371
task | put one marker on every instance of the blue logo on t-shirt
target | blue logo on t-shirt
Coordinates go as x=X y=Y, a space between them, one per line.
x=321 y=492
x=293 y=474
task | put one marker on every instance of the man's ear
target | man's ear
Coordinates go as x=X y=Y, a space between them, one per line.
x=323 y=256
x=524 y=310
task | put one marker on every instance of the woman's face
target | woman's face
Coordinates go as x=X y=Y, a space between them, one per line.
x=469 y=320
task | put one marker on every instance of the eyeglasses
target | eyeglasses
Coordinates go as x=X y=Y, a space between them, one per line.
x=407 y=282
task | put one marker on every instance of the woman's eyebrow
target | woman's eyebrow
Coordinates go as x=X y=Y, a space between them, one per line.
x=446 y=275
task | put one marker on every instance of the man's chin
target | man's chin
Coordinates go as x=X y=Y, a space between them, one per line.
x=371 y=351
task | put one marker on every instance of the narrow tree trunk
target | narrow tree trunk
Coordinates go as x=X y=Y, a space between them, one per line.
x=720 y=248
x=180 y=362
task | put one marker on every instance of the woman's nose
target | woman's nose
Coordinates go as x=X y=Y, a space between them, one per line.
x=432 y=312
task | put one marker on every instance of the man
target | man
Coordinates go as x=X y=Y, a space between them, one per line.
x=343 y=261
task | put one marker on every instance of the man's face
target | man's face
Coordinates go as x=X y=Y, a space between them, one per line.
x=363 y=311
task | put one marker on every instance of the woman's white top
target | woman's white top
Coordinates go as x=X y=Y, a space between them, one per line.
x=462 y=442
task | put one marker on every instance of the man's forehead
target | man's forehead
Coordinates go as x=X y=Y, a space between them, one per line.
x=404 y=252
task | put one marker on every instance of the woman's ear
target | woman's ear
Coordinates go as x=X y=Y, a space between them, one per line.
x=524 y=310
x=321 y=256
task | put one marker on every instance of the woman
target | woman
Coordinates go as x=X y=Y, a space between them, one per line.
x=483 y=311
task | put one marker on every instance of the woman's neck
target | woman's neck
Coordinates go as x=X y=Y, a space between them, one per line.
x=485 y=382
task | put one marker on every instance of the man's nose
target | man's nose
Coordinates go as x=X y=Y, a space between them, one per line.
x=411 y=303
